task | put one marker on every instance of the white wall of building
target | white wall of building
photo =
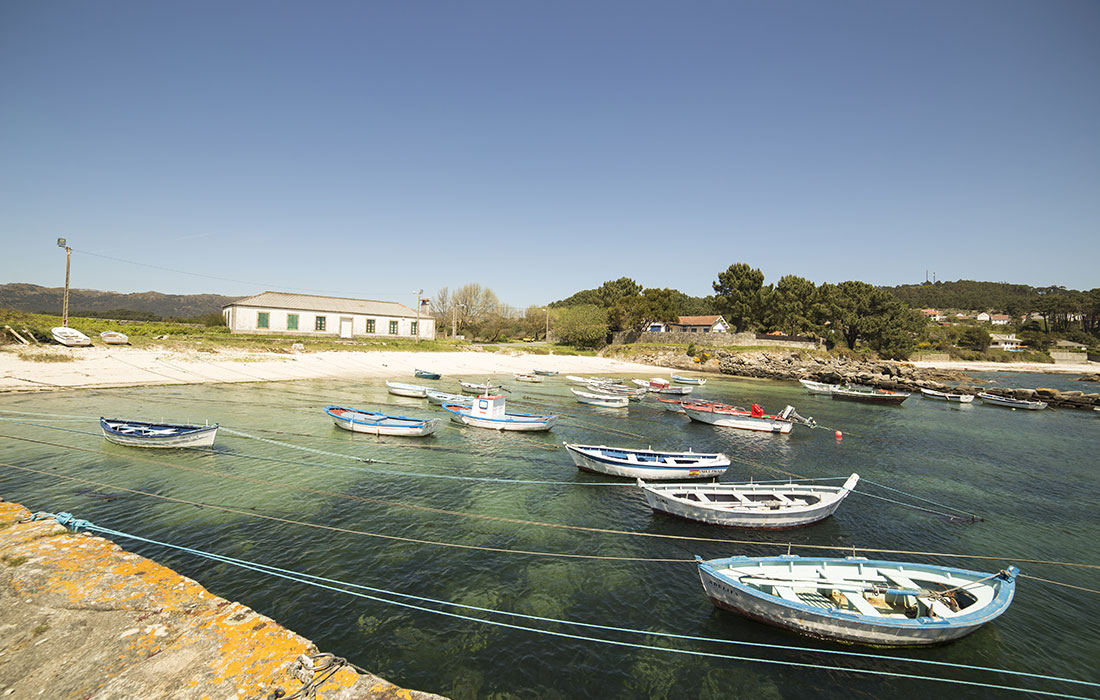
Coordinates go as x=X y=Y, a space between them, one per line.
x=245 y=319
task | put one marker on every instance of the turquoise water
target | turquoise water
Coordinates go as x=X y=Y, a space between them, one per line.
x=1032 y=477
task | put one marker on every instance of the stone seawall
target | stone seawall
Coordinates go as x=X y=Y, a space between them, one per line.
x=82 y=618
x=883 y=374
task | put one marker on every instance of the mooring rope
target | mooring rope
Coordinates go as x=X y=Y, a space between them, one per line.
x=339 y=586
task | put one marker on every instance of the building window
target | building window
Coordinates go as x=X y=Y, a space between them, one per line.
x=393 y=327
x=413 y=327
x=292 y=322
x=370 y=325
x=263 y=319
x=319 y=323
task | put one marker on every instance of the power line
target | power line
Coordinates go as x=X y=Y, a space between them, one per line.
x=262 y=285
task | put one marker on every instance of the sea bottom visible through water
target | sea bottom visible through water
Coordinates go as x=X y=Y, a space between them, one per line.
x=505 y=522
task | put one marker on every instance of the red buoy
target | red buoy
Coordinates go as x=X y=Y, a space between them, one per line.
x=839 y=435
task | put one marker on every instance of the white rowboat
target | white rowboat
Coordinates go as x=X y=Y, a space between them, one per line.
x=727 y=417
x=697 y=381
x=994 y=400
x=946 y=396
x=70 y=337
x=764 y=506
x=135 y=433
x=651 y=465
x=605 y=400
x=114 y=338
x=411 y=390
x=373 y=423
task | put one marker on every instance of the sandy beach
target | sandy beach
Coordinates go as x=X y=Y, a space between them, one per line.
x=102 y=367
x=1081 y=368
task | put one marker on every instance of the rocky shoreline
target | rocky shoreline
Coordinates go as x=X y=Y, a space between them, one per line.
x=883 y=374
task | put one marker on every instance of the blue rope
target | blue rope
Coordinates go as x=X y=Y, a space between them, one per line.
x=321 y=582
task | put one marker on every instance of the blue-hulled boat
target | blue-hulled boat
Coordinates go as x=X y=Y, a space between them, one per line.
x=680 y=379
x=135 y=433
x=488 y=412
x=880 y=603
x=425 y=374
x=650 y=465
x=547 y=372
x=373 y=423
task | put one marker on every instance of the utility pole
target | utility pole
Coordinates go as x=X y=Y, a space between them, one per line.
x=61 y=243
x=454 y=319
x=418 y=314
x=546 y=337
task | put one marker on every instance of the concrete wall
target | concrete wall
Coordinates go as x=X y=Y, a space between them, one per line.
x=711 y=339
x=243 y=319
x=1074 y=358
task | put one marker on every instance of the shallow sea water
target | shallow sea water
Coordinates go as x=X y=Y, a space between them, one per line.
x=1031 y=476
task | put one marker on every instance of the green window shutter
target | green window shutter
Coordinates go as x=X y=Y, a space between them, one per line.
x=393 y=327
x=263 y=319
x=413 y=327
x=292 y=322
x=319 y=324
x=370 y=325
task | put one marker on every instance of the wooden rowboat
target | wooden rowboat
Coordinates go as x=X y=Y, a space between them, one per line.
x=524 y=377
x=547 y=372
x=697 y=381
x=134 y=433
x=819 y=388
x=868 y=394
x=604 y=400
x=753 y=419
x=763 y=506
x=486 y=388
x=425 y=374
x=439 y=398
x=951 y=397
x=373 y=423
x=1008 y=402
x=881 y=603
x=414 y=391
x=114 y=338
x=70 y=337
x=648 y=464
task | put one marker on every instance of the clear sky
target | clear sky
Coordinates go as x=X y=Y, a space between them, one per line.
x=374 y=148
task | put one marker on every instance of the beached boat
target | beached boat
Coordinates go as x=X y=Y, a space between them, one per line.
x=697 y=381
x=1008 y=402
x=439 y=398
x=70 y=337
x=868 y=394
x=488 y=412
x=114 y=338
x=765 y=506
x=525 y=377
x=135 y=433
x=952 y=397
x=547 y=372
x=819 y=388
x=373 y=423
x=486 y=388
x=881 y=603
x=753 y=419
x=411 y=390
x=605 y=400
x=651 y=465
x=425 y=374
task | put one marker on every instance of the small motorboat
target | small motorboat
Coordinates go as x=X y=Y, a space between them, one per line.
x=135 y=433
x=763 y=506
x=881 y=603
x=531 y=378
x=488 y=412
x=819 y=388
x=604 y=400
x=868 y=394
x=425 y=374
x=696 y=381
x=547 y=372
x=1009 y=402
x=439 y=398
x=414 y=391
x=951 y=397
x=753 y=419
x=70 y=337
x=114 y=338
x=373 y=423
x=651 y=465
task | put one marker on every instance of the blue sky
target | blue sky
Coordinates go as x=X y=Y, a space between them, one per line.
x=375 y=148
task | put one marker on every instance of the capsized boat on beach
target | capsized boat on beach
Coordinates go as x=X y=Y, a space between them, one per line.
x=880 y=603
x=768 y=506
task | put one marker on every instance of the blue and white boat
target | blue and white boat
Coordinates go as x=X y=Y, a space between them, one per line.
x=425 y=374
x=488 y=412
x=547 y=372
x=486 y=388
x=135 y=433
x=697 y=381
x=373 y=423
x=650 y=465
x=880 y=603
x=414 y=391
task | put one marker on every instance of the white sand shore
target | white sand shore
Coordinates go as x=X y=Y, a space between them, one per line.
x=122 y=366
x=1082 y=368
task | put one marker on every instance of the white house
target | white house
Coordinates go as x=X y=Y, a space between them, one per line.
x=982 y=317
x=1000 y=319
x=700 y=324
x=278 y=313
x=1010 y=342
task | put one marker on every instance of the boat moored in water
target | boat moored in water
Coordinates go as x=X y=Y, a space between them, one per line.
x=819 y=388
x=868 y=394
x=647 y=464
x=414 y=391
x=134 y=433
x=949 y=396
x=488 y=412
x=546 y=372
x=1010 y=402
x=880 y=603
x=526 y=377
x=486 y=388
x=439 y=398
x=604 y=400
x=764 y=506
x=696 y=381
x=753 y=419
x=374 y=423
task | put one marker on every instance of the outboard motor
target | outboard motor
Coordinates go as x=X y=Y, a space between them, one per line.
x=790 y=414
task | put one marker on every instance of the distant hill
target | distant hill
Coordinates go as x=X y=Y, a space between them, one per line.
x=35 y=299
x=968 y=294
